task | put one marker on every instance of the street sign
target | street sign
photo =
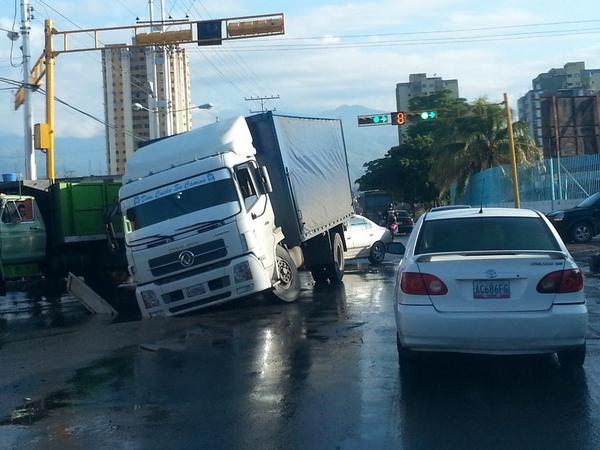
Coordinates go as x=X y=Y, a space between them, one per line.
x=210 y=32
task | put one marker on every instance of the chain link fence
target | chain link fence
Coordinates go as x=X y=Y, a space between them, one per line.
x=575 y=178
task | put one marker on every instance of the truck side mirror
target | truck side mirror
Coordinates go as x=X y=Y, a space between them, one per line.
x=265 y=180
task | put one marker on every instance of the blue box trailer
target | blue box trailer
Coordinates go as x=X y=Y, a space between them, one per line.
x=308 y=166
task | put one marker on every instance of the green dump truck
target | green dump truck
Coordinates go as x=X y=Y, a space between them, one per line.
x=54 y=228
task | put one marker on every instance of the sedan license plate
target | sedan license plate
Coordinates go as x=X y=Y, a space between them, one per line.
x=491 y=289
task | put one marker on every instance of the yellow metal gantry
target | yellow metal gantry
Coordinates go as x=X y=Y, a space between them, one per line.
x=173 y=32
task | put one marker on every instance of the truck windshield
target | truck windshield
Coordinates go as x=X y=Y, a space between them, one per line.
x=215 y=189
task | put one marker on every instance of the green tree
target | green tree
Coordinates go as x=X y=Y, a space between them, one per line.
x=404 y=172
x=476 y=140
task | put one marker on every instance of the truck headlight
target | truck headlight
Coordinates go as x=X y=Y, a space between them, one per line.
x=241 y=272
x=150 y=299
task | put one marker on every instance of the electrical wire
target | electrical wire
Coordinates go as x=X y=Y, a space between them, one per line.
x=451 y=30
x=420 y=42
x=12 y=43
x=91 y=116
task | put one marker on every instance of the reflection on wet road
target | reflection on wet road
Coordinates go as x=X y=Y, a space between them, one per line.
x=318 y=373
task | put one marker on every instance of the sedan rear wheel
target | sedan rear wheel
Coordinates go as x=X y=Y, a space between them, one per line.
x=572 y=358
x=582 y=232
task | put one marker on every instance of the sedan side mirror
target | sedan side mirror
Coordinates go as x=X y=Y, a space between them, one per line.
x=396 y=248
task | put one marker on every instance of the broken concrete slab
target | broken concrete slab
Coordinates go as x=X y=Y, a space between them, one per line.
x=88 y=297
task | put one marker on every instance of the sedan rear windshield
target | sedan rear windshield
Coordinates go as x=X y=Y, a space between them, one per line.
x=485 y=233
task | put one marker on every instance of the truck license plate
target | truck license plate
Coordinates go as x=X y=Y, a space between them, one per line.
x=491 y=289
x=197 y=289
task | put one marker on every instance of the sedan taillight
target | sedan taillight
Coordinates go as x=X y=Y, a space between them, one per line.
x=561 y=282
x=415 y=283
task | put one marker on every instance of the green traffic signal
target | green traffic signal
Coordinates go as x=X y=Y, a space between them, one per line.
x=428 y=115
x=376 y=119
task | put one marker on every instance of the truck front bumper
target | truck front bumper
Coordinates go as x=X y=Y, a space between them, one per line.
x=203 y=287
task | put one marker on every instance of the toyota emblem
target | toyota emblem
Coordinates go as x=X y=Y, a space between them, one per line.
x=489 y=273
x=186 y=258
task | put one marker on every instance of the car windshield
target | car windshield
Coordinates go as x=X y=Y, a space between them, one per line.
x=402 y=213
x=589 y=201
x=485 y=233
x=184 y=197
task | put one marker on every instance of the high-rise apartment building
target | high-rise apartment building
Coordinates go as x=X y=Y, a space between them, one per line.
x=572 y=80
x=127 y=76
x=420 y=85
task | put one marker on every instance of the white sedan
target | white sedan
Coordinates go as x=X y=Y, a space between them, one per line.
x=493 y=281
x=366 y=239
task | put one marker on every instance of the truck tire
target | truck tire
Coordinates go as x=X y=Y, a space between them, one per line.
x=377 y=253
x=582 y=232
x=286 y=275
x=335 y=270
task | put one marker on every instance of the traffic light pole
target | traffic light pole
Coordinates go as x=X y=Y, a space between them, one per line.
x=49 y=55
x=513 y=155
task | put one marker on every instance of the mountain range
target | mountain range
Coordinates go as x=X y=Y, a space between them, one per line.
x=79 y=156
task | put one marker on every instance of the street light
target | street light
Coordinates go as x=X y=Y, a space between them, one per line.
x=140 y=107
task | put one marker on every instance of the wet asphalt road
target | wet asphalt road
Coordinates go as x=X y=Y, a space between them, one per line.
x=318 y=373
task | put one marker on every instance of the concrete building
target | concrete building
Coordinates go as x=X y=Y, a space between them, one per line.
x=420 y=85
x=127 y=76
x=572 y=80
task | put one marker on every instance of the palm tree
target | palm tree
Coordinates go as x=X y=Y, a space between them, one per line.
x=476 y=141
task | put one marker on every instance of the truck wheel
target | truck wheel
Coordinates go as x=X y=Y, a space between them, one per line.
x=319 y=273
x=377 y=253
x=582 y=232
x=286 y=273
x=335 y=270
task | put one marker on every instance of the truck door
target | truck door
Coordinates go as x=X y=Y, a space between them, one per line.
x=22 y=231
x=257 y=206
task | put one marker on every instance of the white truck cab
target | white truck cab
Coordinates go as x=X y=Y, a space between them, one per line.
x=200 y=228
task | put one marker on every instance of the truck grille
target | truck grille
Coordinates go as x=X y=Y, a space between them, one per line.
x=183 y=259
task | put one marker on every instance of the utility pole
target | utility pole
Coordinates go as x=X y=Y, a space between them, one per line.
x=513 y=155
x=262 y=101
x=557 y=140
x=166 y=77
x=30 y=165
x=152 y=100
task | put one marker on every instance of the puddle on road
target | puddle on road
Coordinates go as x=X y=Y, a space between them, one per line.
x=107 y=374
x=33 y=410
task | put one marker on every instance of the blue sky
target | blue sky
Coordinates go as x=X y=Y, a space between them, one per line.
x=338 y=70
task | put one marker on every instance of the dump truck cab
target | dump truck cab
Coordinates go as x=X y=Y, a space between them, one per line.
x=22 y=234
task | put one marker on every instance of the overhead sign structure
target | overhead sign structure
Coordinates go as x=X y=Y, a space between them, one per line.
x=397 y=118
x=211 y=32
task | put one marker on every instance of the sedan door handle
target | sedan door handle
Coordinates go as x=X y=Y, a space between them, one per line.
x=34 y=228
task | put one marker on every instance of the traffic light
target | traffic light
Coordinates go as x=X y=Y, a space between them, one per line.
x=398 y=118
x=427 y=115
x=376 y=119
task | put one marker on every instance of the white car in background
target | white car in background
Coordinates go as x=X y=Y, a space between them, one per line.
x=492 y=281
x=366 y=239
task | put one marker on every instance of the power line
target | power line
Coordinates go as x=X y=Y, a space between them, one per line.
x=419 y=33
x=12 y=43
x=420 y=42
